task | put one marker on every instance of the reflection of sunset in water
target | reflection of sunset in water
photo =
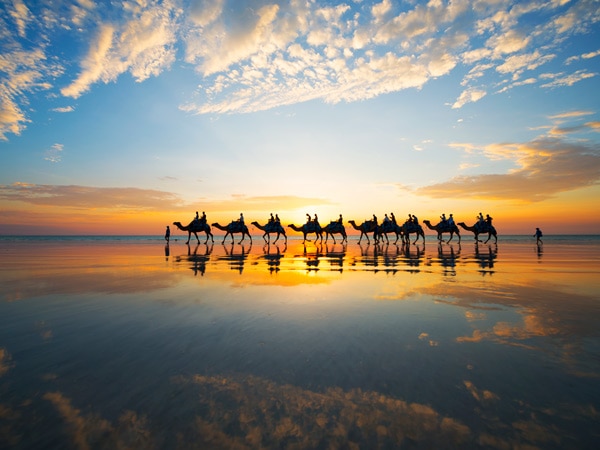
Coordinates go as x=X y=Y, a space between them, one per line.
x=134 y=344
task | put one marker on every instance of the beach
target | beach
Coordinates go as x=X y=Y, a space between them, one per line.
x=126 y=342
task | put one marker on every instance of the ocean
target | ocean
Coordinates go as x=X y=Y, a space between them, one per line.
x=126 y=342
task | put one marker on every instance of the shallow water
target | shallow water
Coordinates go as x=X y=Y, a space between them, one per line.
x=110 y=342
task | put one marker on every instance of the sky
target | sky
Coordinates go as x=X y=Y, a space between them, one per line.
x=122 y=117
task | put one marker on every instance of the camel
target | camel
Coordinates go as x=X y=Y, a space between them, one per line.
x=308 y=228
x=335 y=227
x=408 y=228
x=368 y=226
x=481 y=230
x=195 y=227
x=234 y=227
x=271 y=227
x=385 y=228
x=441 y=229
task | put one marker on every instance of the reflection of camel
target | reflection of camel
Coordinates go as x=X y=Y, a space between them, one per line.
x=308 y=228
x=409 y=228
x=368 y=226
x=271 y=227
x=441 y=229
x=486 y=260
x=232 y=228
x=481 y=230
x=195 y=227
x=335 y=228
x=199 y=260
x=235 y=259
x=273 y=259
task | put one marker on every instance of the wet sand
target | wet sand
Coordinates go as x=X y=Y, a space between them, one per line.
x=107 y=343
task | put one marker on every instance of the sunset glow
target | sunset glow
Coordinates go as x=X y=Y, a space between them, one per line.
x=122 y=117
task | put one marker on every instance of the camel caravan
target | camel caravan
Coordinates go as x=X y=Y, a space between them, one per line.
x=379 y=231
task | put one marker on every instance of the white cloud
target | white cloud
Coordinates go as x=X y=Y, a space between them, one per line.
x=569 y=79
x=468 y=96
x=251 y=56
x=142 y=45
x=54 y=154
x=21 y=15
x=64 y=109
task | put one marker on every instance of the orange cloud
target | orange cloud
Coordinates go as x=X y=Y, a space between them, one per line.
x=545 y=168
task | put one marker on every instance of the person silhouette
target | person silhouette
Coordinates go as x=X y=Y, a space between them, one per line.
x=168 y=234
x=538 y=236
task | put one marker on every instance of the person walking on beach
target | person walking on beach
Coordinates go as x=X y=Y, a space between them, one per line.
x=168 y=234
x=538 y=236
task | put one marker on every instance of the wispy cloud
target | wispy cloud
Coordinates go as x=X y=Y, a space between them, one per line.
x=279 y=53
x=64 y=109
x=89 y=197
x=544 y=167
x=136 y=199
x=54 y=153
x=142 y=45
x=468 y=96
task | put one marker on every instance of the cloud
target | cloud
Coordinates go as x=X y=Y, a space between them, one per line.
x=589 y=55
x=143 y=45
x=561 y=80
x=270 y=54
x=21 y=15
x=64 y=109
x=544 y=167
x=89 y=197
x=136 y=199
x=23 y=72
x=468 y=96
x=54 y=154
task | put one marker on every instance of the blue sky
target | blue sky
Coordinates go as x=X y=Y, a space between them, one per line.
x=156 y=109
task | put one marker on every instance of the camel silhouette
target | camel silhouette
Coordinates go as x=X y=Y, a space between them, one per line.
x=309 y=228
x=409 y=228
x=335 y=227
x=477 y=230
x=387 y=227
x=368 y=226
x=195 y=227
x=271 y=227
x=441 y=229
x=233 y=228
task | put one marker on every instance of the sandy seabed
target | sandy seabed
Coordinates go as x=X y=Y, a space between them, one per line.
x=129 y=343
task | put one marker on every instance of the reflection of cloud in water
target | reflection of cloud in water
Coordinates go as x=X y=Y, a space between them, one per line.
x=92 y=431
x=478 y=394
x=251 y=412
x=5 y=361
x=247 y=412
